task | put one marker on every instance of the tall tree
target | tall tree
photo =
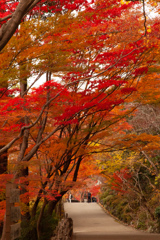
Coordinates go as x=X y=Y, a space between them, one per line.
x=98 y=60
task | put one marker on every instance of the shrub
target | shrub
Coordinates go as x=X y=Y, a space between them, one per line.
x=47 y=225
x=157 y=212
x=108 y=199
x=141 y=225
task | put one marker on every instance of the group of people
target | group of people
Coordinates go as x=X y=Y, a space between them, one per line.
x=85 y=197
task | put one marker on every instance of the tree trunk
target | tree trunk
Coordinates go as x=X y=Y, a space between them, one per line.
x=3 y=161
x=34 y=209
x=52 y=204
x=3 y=169
x=40 y=218
x=8 y=29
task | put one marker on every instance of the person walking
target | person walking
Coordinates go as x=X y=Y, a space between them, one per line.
x=70 y=197
x=89 y=197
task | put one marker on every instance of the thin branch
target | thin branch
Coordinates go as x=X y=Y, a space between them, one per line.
x=37 y=78
x=145 y=18
x=6 y=17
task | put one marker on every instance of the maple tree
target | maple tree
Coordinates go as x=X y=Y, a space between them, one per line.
x=98 y=60
x=12 y=12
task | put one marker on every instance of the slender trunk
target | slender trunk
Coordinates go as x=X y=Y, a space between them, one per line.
x=3 y=161
x=23 y=172
x=3 y=169
x=40 y=218
x=4 y=229
x=34 y=209
x=52 y=204
x=77 y=169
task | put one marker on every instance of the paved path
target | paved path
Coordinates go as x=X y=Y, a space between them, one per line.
x=90 y=222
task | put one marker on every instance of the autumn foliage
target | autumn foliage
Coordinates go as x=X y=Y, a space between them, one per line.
x=95 y=65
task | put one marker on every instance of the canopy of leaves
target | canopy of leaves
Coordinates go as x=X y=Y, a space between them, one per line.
x=98 y=70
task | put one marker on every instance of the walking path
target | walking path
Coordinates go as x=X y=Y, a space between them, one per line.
x=90 y=222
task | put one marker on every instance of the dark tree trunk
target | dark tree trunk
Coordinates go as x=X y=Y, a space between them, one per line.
x=3 y=169
x=77 y=169
x=52 y=204
x=3 y=161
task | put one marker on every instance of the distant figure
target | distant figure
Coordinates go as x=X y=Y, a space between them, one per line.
x=94 y=199
x=85 y=197
x=89 y=197
x=70 y=197
x=82 y=197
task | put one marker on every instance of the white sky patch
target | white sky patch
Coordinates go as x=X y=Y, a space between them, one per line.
x=39 y=82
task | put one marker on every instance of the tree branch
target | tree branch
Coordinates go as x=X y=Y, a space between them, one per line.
x=8 y=29
x=145 y=18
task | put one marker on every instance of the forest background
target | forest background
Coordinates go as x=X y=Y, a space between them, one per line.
x=97 y=112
